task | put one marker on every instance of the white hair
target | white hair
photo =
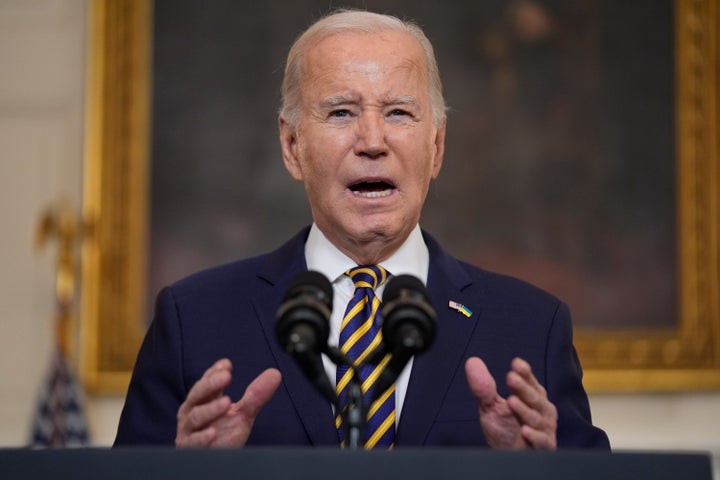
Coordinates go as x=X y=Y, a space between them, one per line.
x=348 y=21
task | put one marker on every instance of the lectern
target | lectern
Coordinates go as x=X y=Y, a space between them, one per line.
x=335 y=464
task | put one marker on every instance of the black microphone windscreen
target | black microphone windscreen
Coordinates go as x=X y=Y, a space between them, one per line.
x=399 y=283
x=311 y=281
x=409 y=321
x=408 y=326
x=303 y=324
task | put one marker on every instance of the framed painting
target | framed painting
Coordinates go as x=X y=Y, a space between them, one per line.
x=582 y=155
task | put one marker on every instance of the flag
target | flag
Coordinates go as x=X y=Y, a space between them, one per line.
x=460 y=308
x=60 y=417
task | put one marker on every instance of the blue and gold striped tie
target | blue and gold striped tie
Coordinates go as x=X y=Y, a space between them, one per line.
x=360 y=334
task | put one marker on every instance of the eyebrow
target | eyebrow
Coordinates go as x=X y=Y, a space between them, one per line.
x=336 y=100
x=404 y=100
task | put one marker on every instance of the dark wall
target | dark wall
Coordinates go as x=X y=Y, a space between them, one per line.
x=560 y=157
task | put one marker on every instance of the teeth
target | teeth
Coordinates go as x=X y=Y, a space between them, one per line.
x=379 y=194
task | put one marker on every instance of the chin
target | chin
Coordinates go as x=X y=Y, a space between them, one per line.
x=385 y=230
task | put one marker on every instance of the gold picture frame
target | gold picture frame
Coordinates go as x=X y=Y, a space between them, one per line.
x=686 y=357
x=115 y=205
x=115 y=192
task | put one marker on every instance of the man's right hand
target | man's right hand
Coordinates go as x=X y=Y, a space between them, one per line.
x=208 y=418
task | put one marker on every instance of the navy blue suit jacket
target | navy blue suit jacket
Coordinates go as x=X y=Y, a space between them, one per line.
x=229 y=311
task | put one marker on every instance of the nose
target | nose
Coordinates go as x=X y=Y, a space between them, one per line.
x=371 y=141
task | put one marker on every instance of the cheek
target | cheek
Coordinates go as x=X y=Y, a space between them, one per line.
x=423 y=166
x=323 y=154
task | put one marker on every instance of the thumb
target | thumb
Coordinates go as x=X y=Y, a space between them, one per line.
x=481 y=383
x=258 y=393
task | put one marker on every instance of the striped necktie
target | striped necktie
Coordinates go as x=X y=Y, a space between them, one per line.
x=360 y=334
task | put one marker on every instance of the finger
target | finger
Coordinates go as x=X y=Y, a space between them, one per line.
x=481 y=383
x=258 y=393
x=544 y=412
x=534 y=418
x=211 y=384
x=525 y=414
x=202 y=416
x=523 y=368
x=202 y=438
x=524 y=384
x=539 y=439
x=531 y=394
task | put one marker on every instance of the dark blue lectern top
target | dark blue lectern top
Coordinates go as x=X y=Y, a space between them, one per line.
x=334 y=464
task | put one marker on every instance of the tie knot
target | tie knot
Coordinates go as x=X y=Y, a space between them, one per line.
x=367 y=276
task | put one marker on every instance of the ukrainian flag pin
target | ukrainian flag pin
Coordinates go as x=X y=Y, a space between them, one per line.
x=460 y=308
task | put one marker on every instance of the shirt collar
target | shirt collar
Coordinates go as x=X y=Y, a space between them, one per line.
x=412 y=258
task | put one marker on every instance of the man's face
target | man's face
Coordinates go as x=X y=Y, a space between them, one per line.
x=366 y=145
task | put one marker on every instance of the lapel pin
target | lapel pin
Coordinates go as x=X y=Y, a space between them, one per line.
x=460 y=308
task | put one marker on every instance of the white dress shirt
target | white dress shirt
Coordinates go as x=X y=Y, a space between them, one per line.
x=321 y=255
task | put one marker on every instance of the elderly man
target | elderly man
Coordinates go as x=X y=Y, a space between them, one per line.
x=363 y=127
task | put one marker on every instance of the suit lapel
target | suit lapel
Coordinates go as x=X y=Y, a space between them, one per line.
x=433 y=371
x=314 y=411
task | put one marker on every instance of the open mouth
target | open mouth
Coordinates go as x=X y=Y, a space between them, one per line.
x=372 y=189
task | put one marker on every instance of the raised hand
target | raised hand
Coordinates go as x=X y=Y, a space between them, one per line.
x=527 y=419
x=208 y=418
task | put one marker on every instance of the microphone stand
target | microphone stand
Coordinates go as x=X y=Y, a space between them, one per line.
x=354 y=415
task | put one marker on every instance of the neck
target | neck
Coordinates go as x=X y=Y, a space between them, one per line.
x=368 y=252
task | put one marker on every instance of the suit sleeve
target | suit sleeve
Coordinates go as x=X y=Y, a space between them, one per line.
x=565 y=389
x=157 y=388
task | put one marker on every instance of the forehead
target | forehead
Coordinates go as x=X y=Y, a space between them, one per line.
x=371 y=56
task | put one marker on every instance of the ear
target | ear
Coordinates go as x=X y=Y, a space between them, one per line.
x=289 y=146
x=439 y=148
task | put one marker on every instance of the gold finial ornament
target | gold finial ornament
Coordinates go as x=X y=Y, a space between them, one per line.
x=59 y=223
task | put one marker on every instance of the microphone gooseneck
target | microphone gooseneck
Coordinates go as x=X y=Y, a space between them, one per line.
x=409 y=326
x=303 y=326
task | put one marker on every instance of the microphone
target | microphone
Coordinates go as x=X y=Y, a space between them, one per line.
x=303 y=325
x=409 y=325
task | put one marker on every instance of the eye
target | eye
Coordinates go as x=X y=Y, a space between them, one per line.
x=399 y=116
x=339 y=113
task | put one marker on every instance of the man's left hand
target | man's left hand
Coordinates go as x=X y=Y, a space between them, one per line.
x=526 y=419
